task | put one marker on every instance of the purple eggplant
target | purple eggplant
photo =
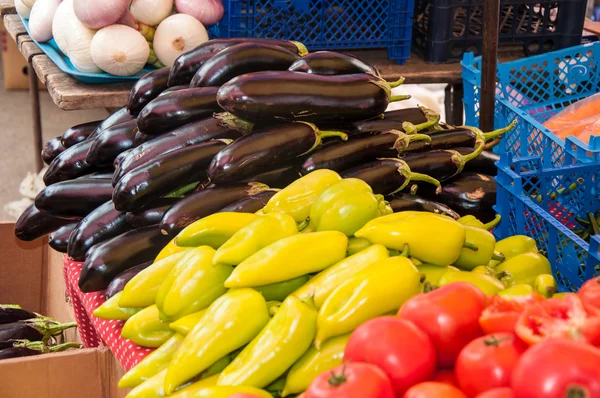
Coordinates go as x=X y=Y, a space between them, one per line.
x=485 y=163
x=74 y=198
x=14 y=313
x=277 y=178
x=439 y=164
x=71 y=164
x=469 y=137
x=408 y=120
x=175 y=88
x=205 y=202
x=111 y=142
x=332 y=63
x=33 y=329
x=99 y=175
x=146 y=89
x=52 y=149
x=33 y=224
x=186 y=66
x=175 y=109
x=190 y=134
x=102 y=224
x=151 y=214
x=165 y=174
x=78 y=133
x=18 y=352
x=110 y=258
x=415 y=116
x=59 y=239
x=119 y=159
x=406 y=202
x=251 y=204
x=241 y=59
x=140 y=138
x=266 y=149
x=118 y=284
x=117 y=117
x=295 y=96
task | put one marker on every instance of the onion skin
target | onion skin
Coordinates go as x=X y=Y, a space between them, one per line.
x=209 y=12
x=127 y=20
x=40 y=19
x=151 y=12
x=96 y=14
x=176 y=35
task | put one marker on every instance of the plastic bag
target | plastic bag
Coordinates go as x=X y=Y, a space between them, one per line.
x=578 y=119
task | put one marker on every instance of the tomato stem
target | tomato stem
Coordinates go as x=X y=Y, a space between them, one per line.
x=406 y=251
x=337 y=380
x=428 y=287
x=470 y=246
x=576 y=392
x=492 y=340
x=302 y=225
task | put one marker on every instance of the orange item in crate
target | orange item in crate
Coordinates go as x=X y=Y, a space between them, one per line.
x=579 y=120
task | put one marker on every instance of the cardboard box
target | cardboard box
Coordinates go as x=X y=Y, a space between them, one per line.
x=31 y=275
x=14 y=65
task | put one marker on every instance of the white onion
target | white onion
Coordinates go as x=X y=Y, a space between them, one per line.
x=151 y=12
x=96 y=14
x=40 y=19
x=60 y=25
x=120 y=50
x=22 y=9
x=177 y=34
x=28 y=3
x=209 y=12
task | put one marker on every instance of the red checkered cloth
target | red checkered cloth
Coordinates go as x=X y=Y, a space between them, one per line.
x=95 y=331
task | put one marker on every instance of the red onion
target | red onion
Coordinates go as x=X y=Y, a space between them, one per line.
x=96 y=14
x=209 y=12
x=126 y=19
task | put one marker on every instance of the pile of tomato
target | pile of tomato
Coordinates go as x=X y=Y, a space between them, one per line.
x=455 y=342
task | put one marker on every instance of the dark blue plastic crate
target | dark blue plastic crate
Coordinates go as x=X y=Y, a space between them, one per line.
x=444 y=30
x=323 y=24
x=533 y=89
x=544 y=203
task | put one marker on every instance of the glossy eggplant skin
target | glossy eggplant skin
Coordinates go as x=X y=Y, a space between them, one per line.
x=151 y=214
x=74 y=198
x=186 y=66
x=332 y=63
x=356 y=151
x=241 y=59
x=52 y=149
x=140 y=138
x=70 y=164
x=251 y=204
x=407 y=202
x=190 y=134
x=111 y=142
x=101 y=175
x=277 y=178
x=110 y=258
x=446 y=139
x=374 y=125
x=33 y=224
x=102 y=224
x=438 y=164
x=17 y=352
x=19 y=331
x=164 y=174
x=78 y=133
x=484 y=163
x=411 y=115
x=174 y=88
x=262 y=151
x=119 y=159
x=10 y=315
x=203 y=203
x=175 y=109
x=117 y=117
x=118 y=284
x=295 y=96
x=382 y=175
x=146 y=89
x=59 y=239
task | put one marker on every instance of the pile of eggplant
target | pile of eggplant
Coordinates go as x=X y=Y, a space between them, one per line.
x=225 y=127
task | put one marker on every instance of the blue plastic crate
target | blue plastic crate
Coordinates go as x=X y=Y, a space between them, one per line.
x=324 y=24
x=533 y=89
x=544 y=203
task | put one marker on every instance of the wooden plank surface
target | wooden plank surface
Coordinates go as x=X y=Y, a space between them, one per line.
x=14 y=26
x=7 y=7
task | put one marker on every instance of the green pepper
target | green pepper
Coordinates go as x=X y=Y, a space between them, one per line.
x=290 y=258
x=313 y=363
x=184 y=325
x=298 y=197
x=157 y=361
x=346 y=206
x=232 y=321
x=193 y=284
x=111 y=310
x=488 y=284
x=356 y=245
x=546 y=285
x=478 y=250
x=321 y=286
x=140 y=291
x=515 y=245
x=516 y=291
x=286 y=337
x=472 y=221
x=147 y=329
x=170 y=249
x=255 y=236
x=433 y=273
x=279 y=291
x=417 y=231
x=277 y=386
x=375 y=291
x=213 y=230
x=523 y=268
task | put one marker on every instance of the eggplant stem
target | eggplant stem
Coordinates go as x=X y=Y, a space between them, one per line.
x=432 y=119
x=470 y=246
x=397 y=83
x=497 y=133
x=497 y=256
x=424 y=178
x=476 y=152
x=234 y=122
x=397 y=98
x=494 y=223
x=64 y=346
x=331 y=133
x=409 y=128
x=419 y=137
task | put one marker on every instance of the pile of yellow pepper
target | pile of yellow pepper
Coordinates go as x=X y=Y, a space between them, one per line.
x=263 y=303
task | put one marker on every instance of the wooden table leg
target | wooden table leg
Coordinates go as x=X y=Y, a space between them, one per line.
x=453 y=104
x=36 y=116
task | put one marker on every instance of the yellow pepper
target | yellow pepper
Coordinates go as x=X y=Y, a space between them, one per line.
x=170 y=249
x=488 y=284
x=546 y=285
x=516 y=291
x=255 y=236
x=147 y=329
x=523 y=268
x=515 y=245
x=151 y=388
x=375 y=291
x=184 y=325
x=213 y=230
x=111 y=310
x=356 y=245
x=433 y=273
x=290 y=258
x=484 y=269
x=230 y=322
x=287 y=336
x=321 y=286
x=279 y=291
x=191 y=390
x=226 y=392
x=313 y=363
x=480 y=251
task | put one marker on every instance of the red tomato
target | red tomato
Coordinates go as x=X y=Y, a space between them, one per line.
x=487 y=363
x=558 y=368
x=432 y=389
x=502 y=314
x=447 y=377
x=590 y=293
x=558 y=317
x=503 y=392
x=351 y=380
x=449 y=315
x=397 y=346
